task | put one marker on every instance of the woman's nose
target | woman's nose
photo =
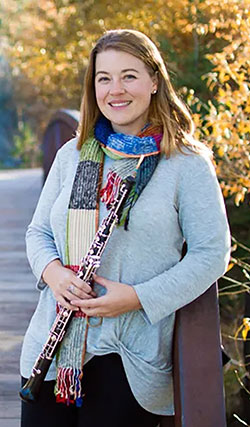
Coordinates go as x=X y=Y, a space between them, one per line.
x=116 y=87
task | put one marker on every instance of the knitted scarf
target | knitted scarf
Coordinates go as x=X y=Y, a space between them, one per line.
x=83 y=220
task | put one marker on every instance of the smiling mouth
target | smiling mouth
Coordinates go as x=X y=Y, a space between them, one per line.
x=120 y=104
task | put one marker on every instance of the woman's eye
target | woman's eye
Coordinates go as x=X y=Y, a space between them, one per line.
x=103 y=79
x=129 y=77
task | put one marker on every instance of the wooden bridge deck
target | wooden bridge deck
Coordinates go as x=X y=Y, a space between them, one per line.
x=19 y=191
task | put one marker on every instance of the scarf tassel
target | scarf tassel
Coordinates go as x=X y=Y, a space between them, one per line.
x=68 y=386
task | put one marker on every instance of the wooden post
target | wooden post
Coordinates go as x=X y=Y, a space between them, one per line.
x=198 y=375
x=61 y=128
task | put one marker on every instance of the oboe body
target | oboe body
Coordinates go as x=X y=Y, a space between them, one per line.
x=88 y=266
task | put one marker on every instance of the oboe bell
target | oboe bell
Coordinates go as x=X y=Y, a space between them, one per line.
x=30 y=391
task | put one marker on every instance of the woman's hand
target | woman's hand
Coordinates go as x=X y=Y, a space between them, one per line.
x=120 y=298
x=65 y=285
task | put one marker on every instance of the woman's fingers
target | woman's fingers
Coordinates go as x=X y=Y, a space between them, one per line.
x=65 y=298
x=81 y=286
x=65 y=303
x=65 y=285
x=119 y=298
x=92 y=307
x=73 y=292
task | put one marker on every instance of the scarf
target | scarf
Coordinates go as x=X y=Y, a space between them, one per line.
x=83 y=220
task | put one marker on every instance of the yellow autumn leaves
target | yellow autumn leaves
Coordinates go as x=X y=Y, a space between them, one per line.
x=244 y=328
x=228 y=120
x=48 y=43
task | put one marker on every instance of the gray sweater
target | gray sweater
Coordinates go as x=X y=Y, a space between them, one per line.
x=181 y=202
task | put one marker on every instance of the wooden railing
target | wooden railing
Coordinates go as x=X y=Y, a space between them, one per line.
x=61 y=128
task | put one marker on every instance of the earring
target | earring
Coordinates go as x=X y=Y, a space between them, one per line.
x=154 y=92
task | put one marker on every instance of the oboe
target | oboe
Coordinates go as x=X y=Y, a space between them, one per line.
x=88 y=266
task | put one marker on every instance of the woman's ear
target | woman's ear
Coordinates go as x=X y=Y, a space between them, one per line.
x=155 y=83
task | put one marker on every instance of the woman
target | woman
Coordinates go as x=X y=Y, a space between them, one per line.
x=131 y=119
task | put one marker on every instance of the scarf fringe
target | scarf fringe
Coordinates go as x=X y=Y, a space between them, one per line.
x=70 y=360
x=68 y=387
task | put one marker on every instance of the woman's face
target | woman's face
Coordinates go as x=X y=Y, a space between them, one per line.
x=123 y=90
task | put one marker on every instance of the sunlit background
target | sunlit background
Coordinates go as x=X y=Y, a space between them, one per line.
x=44 y=48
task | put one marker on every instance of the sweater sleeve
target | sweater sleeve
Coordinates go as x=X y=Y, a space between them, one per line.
x=40 y=244
x=204 y=225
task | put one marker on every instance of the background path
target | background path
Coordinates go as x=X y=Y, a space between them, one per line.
x=19 y=192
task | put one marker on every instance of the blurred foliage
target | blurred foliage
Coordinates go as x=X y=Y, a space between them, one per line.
x=49 y=42
x=228 y=120
x=223 y=121
x=26 y=147
x=235 y=326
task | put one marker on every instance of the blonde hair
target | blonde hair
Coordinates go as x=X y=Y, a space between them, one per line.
x=165 y=110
